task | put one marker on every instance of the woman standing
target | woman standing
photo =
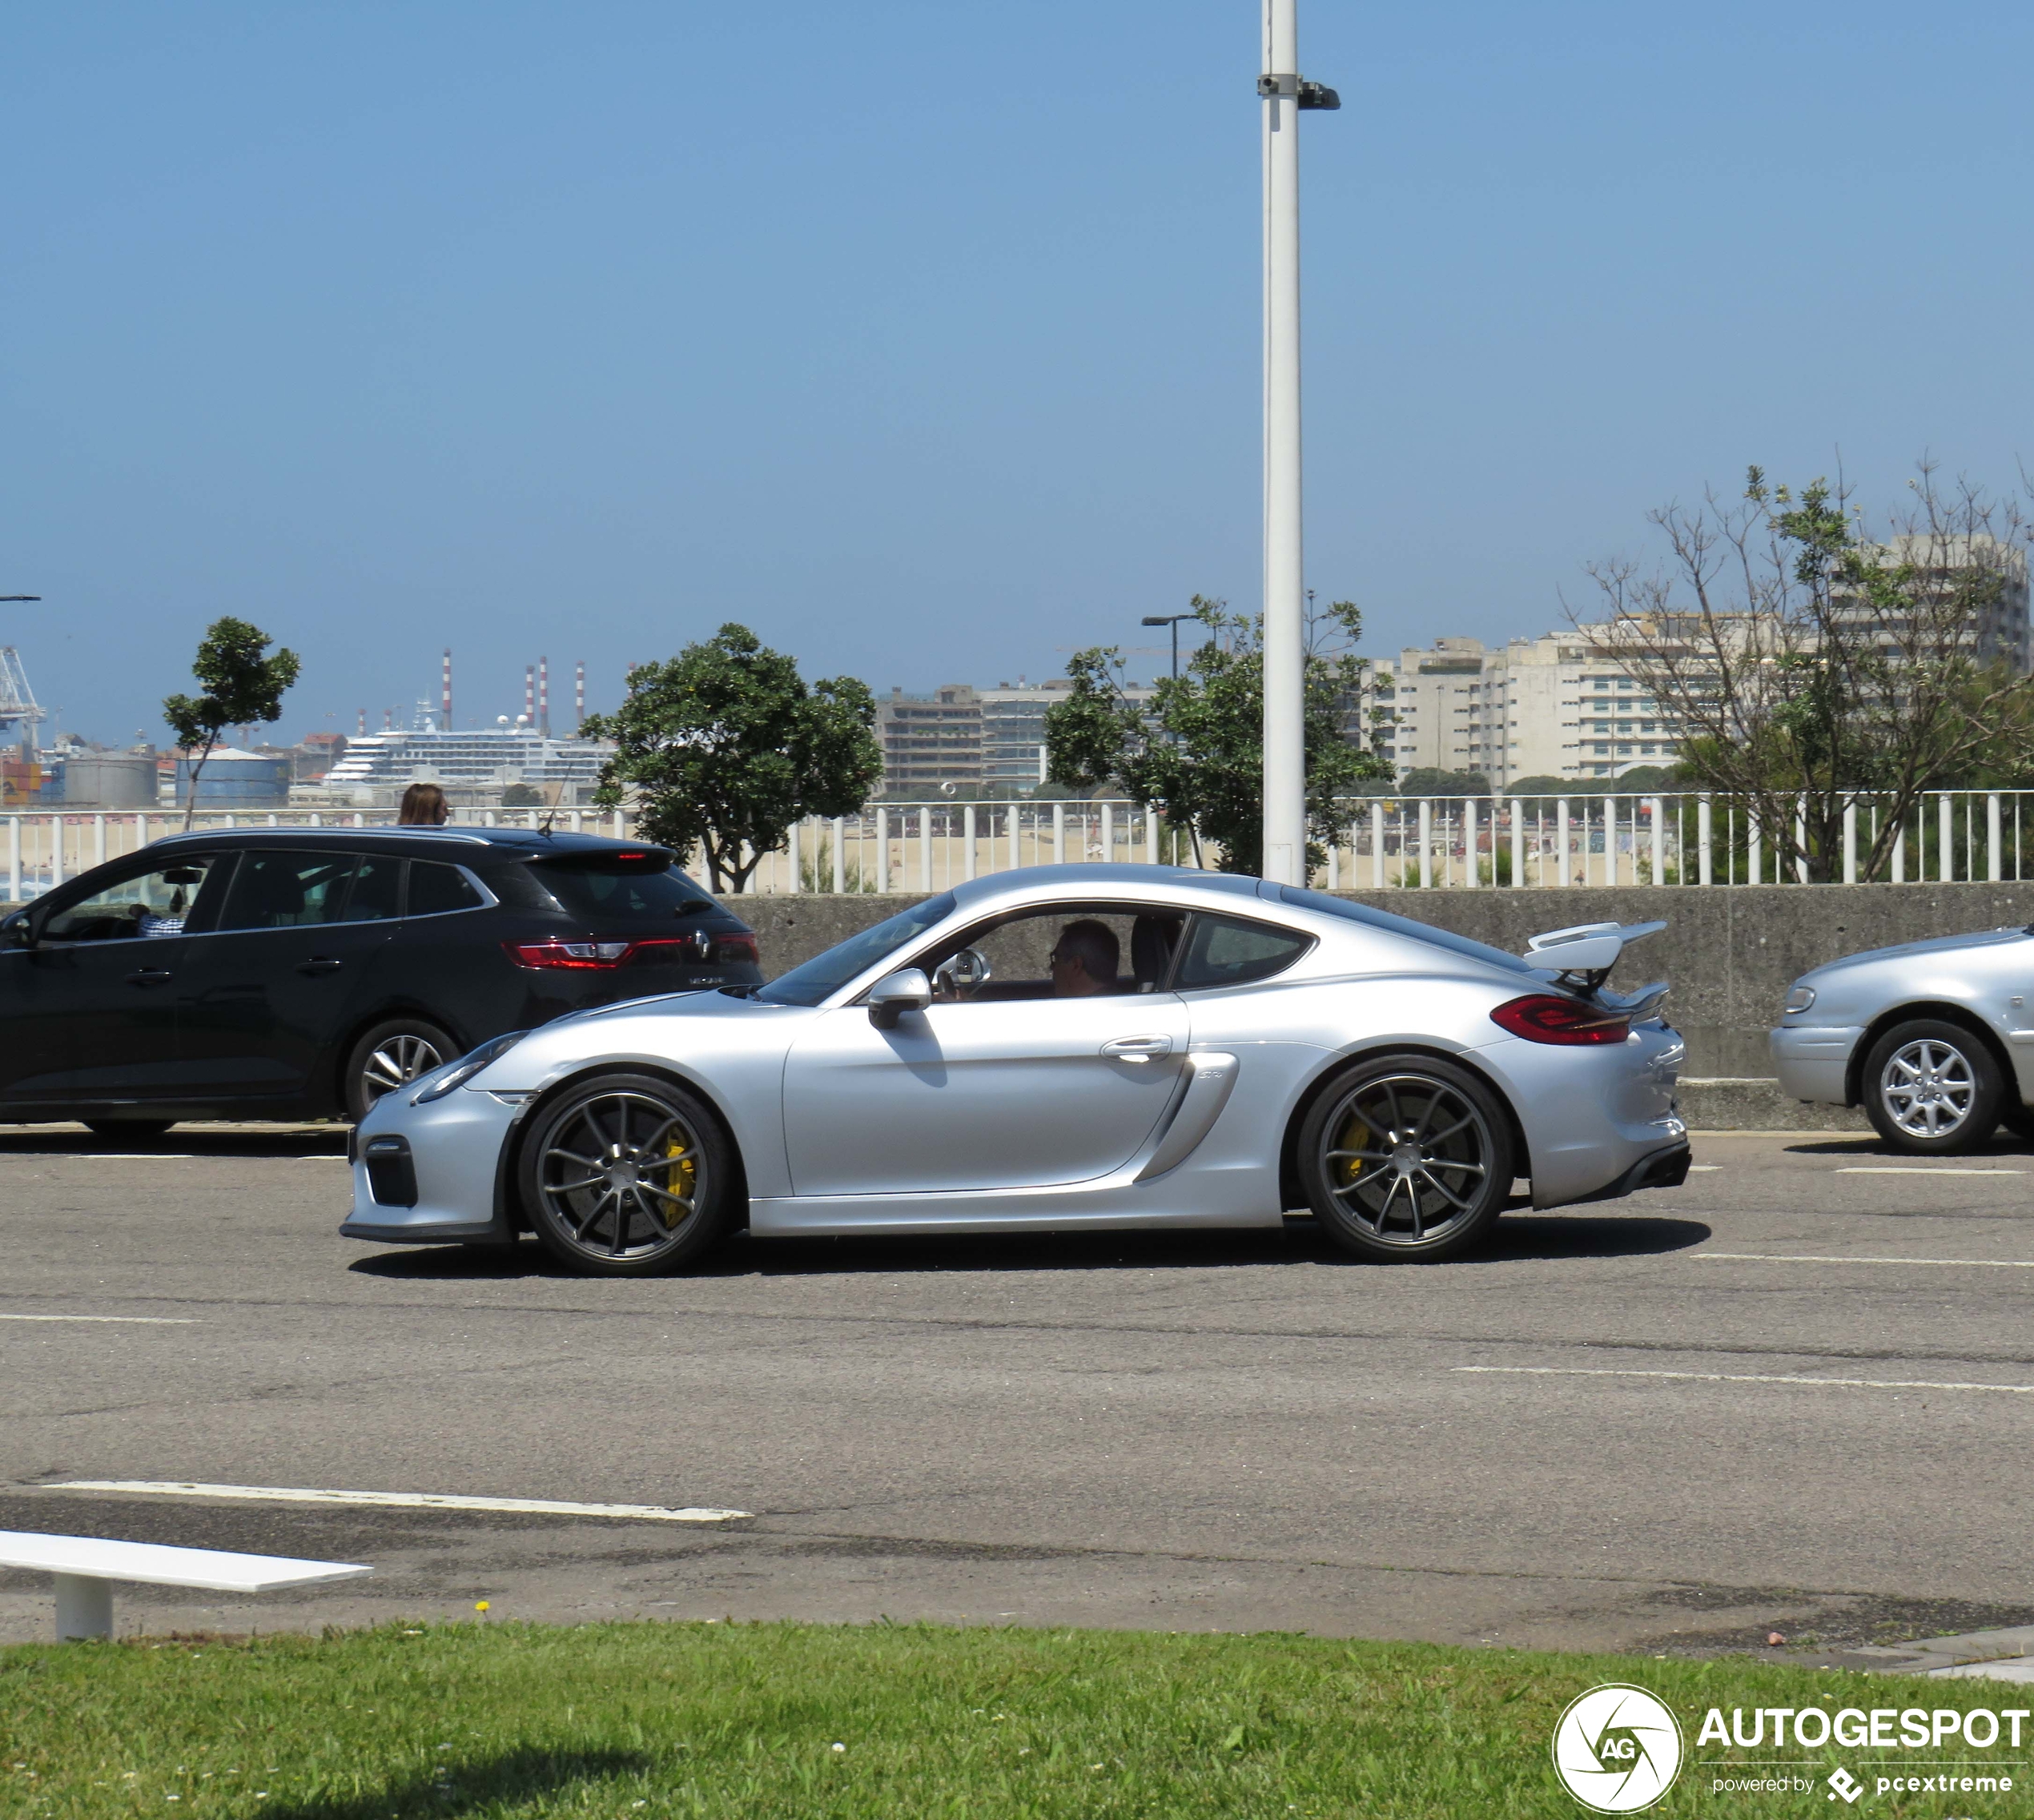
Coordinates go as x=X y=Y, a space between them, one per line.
x=424 y=806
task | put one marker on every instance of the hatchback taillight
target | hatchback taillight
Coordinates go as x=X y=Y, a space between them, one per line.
x=741 y=947
x=1546 y=1017
x=701 y=947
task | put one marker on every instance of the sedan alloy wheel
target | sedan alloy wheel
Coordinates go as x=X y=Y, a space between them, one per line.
x=1932 y=1087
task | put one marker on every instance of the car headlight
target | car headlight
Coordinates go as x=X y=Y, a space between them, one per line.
x=466 y=1067
x=1801 y=998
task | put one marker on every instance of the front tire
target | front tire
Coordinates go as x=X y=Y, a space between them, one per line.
x=1932 y=1089
x=391 y=1055
x=627 y=1176
x=1406 y=1157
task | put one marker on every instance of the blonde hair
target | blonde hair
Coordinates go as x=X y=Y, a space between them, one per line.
x=424 y=806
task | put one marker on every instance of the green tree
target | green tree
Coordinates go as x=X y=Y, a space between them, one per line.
x=242 y=686
x=1196 y=752
x=1809 y=663
x=727 y=747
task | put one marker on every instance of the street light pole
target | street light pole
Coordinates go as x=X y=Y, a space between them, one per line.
x=1284 y=96
x=1173 y=620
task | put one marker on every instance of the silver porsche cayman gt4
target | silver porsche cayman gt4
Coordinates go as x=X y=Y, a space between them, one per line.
x=1062 y=1047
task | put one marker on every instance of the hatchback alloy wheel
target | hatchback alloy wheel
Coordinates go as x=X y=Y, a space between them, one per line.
x=625 y=1176
x=391 y=1055
x=1408 y=1160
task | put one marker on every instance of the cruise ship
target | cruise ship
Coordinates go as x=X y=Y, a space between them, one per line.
x=476 y=759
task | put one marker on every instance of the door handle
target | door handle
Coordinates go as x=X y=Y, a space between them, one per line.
x=150 y=976
x=319 y=965
x=1138 y=1048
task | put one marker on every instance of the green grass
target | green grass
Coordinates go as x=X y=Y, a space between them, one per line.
x=744 y=1719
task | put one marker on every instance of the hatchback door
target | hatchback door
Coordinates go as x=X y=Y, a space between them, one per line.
x=266 y=997
x=88 y=1014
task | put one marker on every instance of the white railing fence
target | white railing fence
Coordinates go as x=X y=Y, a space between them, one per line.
x=1413 y=843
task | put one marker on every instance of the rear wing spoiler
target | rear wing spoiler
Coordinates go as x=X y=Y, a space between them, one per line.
x=1586 y=952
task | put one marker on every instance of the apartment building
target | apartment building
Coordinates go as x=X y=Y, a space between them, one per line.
x=1556 y=705
x=989 y=741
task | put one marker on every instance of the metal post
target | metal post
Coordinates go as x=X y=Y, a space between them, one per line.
x=1377 y=844
x=1800 y=843
x=840 y=855
x=794 y=843
x=1945 y=839
x=967 y=841
x=56 y=851
x=1703 y=859
x=1993 y=869
x=882 y=851
x=1850 y=842
x=1659 y=842
x=1561 y=838
x=14 y=859
x=1108 y=833
x=1284 y=604
x=1517 y=844
x=84 y=1608
x=1059 y=833
x=1899 y=852
x=925 y=851
x=1152 y=856
x=1426 y=841
x=1016 y=836
x=1755 y=864
x=1609 y=840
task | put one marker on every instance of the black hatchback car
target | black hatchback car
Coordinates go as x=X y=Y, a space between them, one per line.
x=301 y=972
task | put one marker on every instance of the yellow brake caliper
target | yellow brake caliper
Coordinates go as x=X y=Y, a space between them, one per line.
x=681 y=1172
x=1356 y=1134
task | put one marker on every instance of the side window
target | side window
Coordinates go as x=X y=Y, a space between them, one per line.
x=1067 y=951
x=288 y=890
x=148 y=904
x=1225 y=950
x=435 y=889
x=377 y=890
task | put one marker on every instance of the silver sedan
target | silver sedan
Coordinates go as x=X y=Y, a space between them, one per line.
x=1933 y=1038
x=1050 y=1049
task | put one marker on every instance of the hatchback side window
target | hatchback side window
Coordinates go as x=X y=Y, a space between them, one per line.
x=435 y=889
x=288 y=890
x=148 y=904
x=377 y=893
x=1226 y=951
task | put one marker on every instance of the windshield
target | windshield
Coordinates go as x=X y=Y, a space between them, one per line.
x=1404 y=926
x=824 y=974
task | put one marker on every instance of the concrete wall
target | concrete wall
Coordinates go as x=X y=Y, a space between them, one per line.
x=1729 y=952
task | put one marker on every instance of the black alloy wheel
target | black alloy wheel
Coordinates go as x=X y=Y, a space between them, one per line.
x=627 y=1176
x=392 y=1054
x=1932 y=1089
x=1406 y=1157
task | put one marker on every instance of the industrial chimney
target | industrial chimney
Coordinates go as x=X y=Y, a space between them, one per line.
x=544 y=697
x=445 y=703
x=579 y=697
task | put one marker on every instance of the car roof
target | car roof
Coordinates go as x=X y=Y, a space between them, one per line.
x=470 y=845
x=1100 y=880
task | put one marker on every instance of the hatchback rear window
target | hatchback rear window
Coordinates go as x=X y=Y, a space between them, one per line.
x=598 y=893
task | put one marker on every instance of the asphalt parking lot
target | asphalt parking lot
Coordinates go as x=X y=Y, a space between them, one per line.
x=1590 y=1435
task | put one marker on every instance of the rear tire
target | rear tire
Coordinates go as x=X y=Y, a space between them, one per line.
x=1932 y=1089
x=1406 y=1159
x=626 y=1175
x=391 y=1055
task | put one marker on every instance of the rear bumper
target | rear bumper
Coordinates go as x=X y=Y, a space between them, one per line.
x=1813 y=1060
x=1663 y=1169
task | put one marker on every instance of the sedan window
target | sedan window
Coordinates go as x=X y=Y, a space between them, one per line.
x=288 y=890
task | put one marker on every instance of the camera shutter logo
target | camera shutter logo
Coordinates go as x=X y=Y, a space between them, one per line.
x=1616 y=1749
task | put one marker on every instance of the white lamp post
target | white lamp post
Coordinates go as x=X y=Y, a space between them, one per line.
x=1284 y=97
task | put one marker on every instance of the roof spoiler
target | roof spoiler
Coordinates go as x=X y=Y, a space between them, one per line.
x=1586 y=952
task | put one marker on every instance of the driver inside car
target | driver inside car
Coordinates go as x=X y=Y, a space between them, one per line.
x=1084 y=959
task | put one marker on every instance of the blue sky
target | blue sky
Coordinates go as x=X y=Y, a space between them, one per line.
x=924 y=339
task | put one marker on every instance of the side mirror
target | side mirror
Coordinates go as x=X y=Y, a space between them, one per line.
x=960 y=975
x=15 y=931
x=906 y=989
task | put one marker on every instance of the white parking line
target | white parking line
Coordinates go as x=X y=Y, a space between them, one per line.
x=1740 y=1377
x=1797 y=1257
x=401 y=1500
x=122 y=1320
x=1703 y=1168
x=1930 y=1169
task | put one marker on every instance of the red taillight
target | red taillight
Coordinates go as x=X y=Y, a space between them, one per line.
x=1544 y=1017
x=665 y=949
